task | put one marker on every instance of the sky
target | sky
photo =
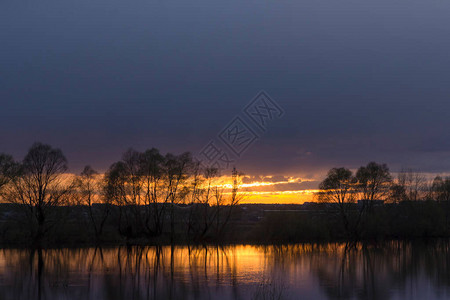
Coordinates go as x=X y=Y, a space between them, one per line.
x=357 y=81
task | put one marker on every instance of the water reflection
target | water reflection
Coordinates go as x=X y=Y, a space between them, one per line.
x=334 y=271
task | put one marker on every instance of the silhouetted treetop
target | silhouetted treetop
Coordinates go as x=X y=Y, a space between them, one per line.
x=43 y=160
x=8 y=169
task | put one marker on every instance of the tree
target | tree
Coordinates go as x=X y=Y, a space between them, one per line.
x=143 y=185
x=235 y=198
x=441 y=189
x=441 y=192
x=338 y=189
x=90 y=192
x=204 y=192
x=116 y=191
x=131 y=160
x=8 y=170
x=397 y=192
x=373 y=183
x=413 y=183
x=124 y=186
x=41 y=187
x=177 y=168
x=152 y=170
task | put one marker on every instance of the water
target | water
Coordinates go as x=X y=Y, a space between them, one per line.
x=332 y=271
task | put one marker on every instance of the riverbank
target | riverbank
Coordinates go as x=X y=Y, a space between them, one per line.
x=72 y=226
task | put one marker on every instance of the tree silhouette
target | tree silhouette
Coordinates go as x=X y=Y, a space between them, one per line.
x=116 y=191
x=373 y=182
x=441 y=192
x=177 y=168
x=338 y=189
x=90 y=189
x=152 y=173
x=8 y=170
x=41 y=187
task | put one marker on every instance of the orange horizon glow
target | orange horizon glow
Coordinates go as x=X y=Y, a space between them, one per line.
x=282 y=197
x=264 y=191
x=258 y=192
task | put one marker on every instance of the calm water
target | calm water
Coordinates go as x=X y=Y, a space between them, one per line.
x=332 y=271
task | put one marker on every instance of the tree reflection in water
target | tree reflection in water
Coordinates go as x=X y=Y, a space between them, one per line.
x=332 y=271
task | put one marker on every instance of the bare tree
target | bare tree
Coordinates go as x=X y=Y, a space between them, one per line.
x=205 y=199
x=210 y=209
x=143 y=185
x=8 y=170
x=413 y=183
x=152 y=174
x=41 y=187
x=203 y=193
x=132 y=162
x=441 y=192
x=338 y=190
x=219 y=203
x=440 y=189
x=90 y=190
x=397 y=192
x=195 y=190
x=226 y=208
x=134 y=187
x=116 y=191
x=177 y=168
x=373 y=183
x=124 y=186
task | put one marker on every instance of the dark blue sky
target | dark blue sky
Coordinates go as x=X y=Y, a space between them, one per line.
x=359 y=80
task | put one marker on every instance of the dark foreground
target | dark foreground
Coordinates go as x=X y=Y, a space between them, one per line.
x=394 y=270
x=73 y=226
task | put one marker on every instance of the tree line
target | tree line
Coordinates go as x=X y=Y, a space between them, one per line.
x=144 y=196
x=360 y=199
x=150 y=197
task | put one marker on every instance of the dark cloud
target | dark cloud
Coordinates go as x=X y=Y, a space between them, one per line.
x=358 y=81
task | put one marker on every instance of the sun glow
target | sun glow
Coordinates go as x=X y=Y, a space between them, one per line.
x=269 y=190
x=280 y=197
x=256 y=189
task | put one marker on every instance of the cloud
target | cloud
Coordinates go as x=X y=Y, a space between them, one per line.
x=351 y=94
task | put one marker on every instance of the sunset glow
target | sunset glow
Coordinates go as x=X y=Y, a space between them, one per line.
x=282 y=191
x=283 y=197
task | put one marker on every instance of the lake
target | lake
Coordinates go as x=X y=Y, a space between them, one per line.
x=395 y=270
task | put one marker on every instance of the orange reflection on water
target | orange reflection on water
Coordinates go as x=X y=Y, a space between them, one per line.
x=309 y=271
